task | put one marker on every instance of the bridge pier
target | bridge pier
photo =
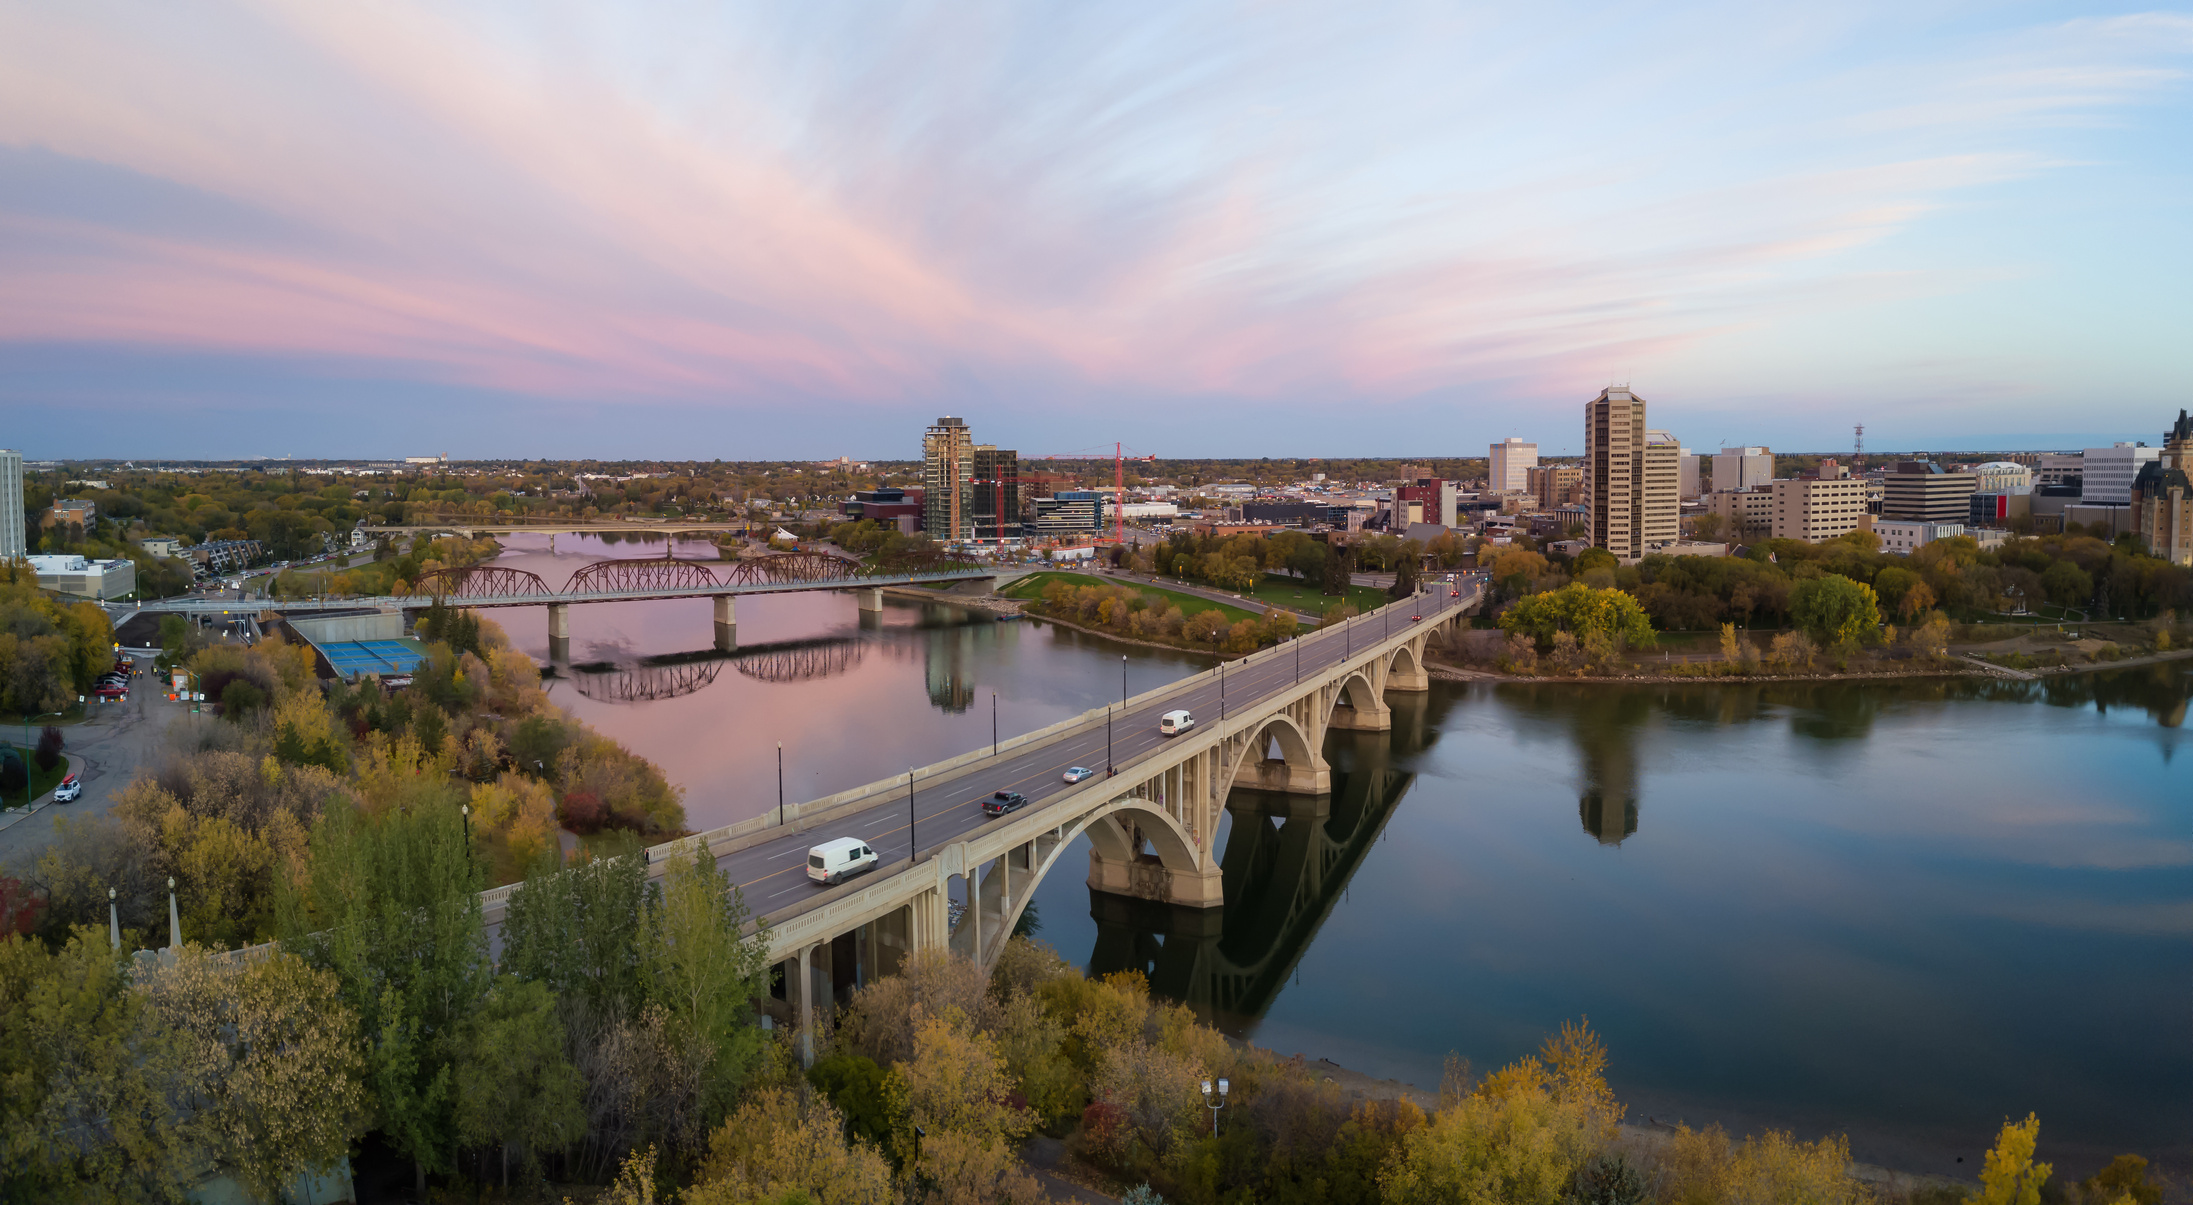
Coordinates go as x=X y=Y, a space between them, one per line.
x=559 y=631
x=870 y=599
x=727 y=624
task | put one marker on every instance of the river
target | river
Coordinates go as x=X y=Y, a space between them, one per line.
x=1899 y=910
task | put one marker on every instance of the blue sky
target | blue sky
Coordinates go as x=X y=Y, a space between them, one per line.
x=1203 y=229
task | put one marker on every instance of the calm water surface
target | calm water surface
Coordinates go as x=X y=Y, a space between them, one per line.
x=1903 y=911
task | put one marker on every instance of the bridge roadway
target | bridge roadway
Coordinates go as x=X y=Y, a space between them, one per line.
x=1152 y=827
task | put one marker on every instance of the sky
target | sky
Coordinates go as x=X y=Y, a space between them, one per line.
x=746 y=231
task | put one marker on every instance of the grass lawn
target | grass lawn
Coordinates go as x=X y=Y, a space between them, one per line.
x=1031 y=587
x=1281 y=591
x=41 y=781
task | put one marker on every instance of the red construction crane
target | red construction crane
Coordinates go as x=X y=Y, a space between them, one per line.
x=1119 y=481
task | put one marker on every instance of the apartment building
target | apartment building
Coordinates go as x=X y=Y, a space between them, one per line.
x=1631 y=476
x=993 y=505
x=1693 y=475
x=1921 y=491
x=947 y=474
x=1815 y=509
x=2003 y=477
x=1511 y=461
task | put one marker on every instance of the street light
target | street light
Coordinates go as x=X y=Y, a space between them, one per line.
x=1214 y=1107
x=465 y=810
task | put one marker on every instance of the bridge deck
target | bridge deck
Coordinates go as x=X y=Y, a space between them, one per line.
x=771 y=869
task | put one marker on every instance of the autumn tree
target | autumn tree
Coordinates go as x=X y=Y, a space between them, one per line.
x=514 y=1086
x=270 y=1061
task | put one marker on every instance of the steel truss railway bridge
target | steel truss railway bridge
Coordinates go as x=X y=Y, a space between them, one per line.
x=1151 y=812
x=636 y=580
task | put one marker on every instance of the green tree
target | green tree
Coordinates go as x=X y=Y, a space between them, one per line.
x=577 y=930
x=1834 y=610
x=514 y=1085
x=390 y=904
x=705 y=977
x=2067 y=584
x=1339 y=570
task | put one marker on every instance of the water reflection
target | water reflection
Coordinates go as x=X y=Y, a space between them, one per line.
x=1288 y=860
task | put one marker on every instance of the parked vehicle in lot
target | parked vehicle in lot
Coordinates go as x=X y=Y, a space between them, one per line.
x=1003 y=802
x=1077 y=773
x=111 y=692
x=835 y=861
x=1173 y=723
x=70 y=788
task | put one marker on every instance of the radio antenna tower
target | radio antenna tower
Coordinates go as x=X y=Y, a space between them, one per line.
x=1858 y=446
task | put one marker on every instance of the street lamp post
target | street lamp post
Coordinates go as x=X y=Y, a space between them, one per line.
x=913 y=847
x=993 y=723
x=1215 y=1105
x=1108 y=771
x=780 y=784
x=465 y=810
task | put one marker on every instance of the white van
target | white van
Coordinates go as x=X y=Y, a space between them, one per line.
x=1173 y=723
x=836 y=861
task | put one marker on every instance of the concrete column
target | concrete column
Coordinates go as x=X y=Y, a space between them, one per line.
x=806 y=1006
x=727 y=624
x=974 y=911
x=559 y=631
x=871 y=599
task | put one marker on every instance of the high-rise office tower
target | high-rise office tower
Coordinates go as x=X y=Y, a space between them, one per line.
x=14 y=536
x=947 y=473
x=1632 y=476
x=1510 y=465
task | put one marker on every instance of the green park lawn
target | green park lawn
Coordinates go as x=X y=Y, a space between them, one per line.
x=1031 y=587
x=1279 y=590
x=41 y=781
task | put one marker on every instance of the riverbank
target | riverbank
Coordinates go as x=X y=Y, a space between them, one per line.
x=1437 y=666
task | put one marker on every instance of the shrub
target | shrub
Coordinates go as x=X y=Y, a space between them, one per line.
x=583 y=812
x=1609 y=1180
x=49 y=748
x=1703 y=1167
x=240 y=698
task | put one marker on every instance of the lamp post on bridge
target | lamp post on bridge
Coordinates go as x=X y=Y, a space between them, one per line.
x=993 y=724
x=912 y=847
x=780 y=784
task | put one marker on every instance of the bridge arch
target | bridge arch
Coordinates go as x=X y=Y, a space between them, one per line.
x=640 y=574
x=1358 y=705
x=1299 y=769
x=1176 y=850
x=1405 y=669
x=479 y=581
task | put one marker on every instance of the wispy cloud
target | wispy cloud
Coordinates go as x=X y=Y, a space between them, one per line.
x=1273 y=205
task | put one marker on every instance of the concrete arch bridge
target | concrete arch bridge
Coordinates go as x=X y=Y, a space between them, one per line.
x=1151 y=821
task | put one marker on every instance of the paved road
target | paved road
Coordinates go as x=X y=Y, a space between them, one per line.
x=773 y=874
x=113 y=745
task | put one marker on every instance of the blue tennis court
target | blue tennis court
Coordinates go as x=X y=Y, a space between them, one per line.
x=353 y=657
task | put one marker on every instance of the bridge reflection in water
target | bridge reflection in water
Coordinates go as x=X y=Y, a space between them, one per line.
x=949 y=645
x=1287 y=861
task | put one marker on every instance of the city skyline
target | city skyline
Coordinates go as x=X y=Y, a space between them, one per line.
x=240 y=232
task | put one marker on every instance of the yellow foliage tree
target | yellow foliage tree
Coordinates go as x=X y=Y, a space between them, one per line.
x=772 y=1147
x=2010 y=1176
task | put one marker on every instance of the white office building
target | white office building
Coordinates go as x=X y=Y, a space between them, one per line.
x=1906 y=536
x=1693 y=475
x=1742 y=468
x=14 y=537
x=2109 y=472
x=2003 y=477
x=85 y=578
x=1510 y=465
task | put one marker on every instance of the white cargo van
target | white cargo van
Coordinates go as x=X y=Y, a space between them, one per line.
x=1173 y=723
x=835 y=861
